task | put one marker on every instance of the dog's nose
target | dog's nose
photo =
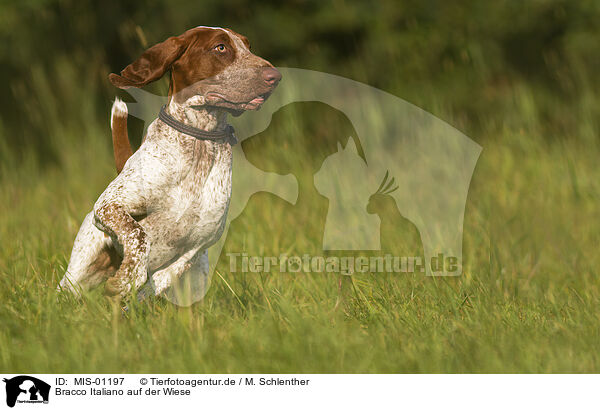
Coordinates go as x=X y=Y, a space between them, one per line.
x=271 y=75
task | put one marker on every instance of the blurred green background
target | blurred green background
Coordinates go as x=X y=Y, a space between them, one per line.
x=478 y=65
x=518 y=77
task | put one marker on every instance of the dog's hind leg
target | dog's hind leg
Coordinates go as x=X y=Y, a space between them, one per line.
x=93 y=259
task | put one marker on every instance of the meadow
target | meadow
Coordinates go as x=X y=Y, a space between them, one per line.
x=526 y=302
x=528 y=298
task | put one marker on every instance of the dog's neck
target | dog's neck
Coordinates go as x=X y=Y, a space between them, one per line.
x=198 y=116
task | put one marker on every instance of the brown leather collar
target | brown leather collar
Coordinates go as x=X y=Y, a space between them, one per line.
x=227 y=133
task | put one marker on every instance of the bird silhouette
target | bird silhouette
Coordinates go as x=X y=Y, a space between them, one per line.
x=398 y=235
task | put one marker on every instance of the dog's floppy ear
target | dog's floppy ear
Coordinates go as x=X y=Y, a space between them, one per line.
x=151 y=65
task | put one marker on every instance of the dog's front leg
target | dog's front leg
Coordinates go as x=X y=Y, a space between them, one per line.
x=194 y=262
x=136 y=192
x=118 y=223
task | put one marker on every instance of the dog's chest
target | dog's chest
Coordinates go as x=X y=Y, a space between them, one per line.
x=198 y=203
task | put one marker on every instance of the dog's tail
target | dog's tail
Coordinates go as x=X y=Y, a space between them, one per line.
x=118 y=124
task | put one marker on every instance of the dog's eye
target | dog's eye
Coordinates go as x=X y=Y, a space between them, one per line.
x=221 y=48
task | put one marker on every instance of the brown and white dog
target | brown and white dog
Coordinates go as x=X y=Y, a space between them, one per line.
x=169 y=202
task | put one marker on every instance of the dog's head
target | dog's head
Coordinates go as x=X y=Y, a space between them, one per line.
x=209 y=67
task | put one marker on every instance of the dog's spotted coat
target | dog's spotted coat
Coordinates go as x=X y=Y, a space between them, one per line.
x=157 y=218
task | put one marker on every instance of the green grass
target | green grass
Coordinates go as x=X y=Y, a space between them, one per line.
x=526 y=302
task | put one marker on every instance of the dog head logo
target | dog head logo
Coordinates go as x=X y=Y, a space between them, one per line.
x=26 y=389
x=323 y=145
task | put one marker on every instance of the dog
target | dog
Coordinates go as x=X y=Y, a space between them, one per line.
x=155 y=221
